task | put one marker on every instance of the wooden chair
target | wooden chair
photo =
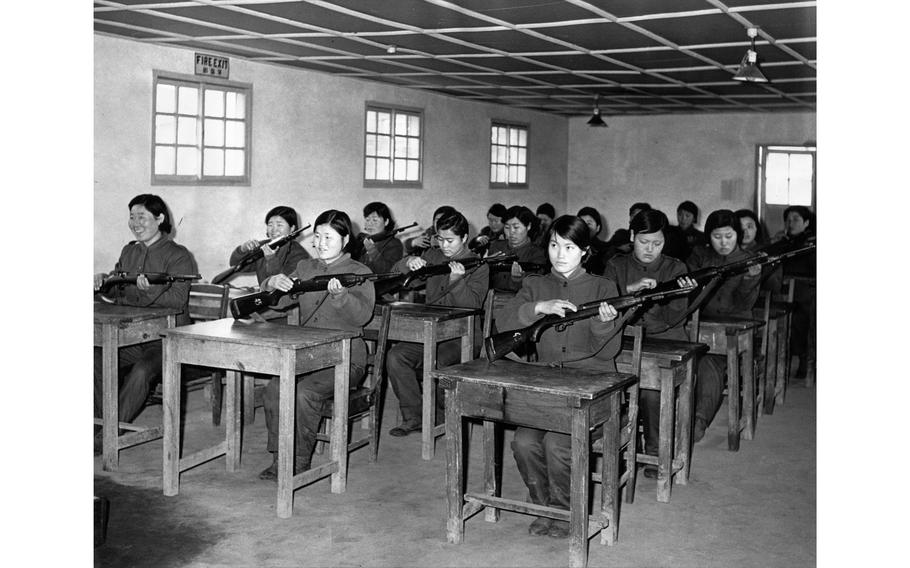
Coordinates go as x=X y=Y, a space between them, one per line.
x=629 y=433
x=365 y=401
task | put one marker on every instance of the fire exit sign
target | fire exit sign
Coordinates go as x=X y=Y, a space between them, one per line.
x=212 y=65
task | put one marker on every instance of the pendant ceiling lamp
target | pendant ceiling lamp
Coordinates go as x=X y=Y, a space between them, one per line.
x=748 y=67
x=595 y=119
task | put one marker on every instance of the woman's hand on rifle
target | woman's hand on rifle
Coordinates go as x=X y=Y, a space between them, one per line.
x=554 y=307
x=335 y=288
x=686 y=282
x=278 y=282
x=517 y=272
x=249 y=246
x=755 y=270
x=643 y=284
x=99 y=280
x=606 y=312
x=457 y=271
x=416 y=263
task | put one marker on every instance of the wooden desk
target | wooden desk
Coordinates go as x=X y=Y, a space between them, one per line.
x=274 y=349
x=668 y=365
x=430 y=325
x=775 y=386
x=116 y=327
x=570 y=401
x=733 y=337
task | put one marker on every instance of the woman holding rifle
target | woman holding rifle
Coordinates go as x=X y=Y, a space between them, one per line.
x=544 y=458
x=378 y=248
x=520 y=230
x=337 y=308
x=456 y=288
x=279 y=222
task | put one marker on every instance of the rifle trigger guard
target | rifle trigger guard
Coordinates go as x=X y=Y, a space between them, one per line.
x=561 y=327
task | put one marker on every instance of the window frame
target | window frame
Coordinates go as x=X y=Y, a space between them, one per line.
x=202 y=179
x=494 y=123
x=421 y=164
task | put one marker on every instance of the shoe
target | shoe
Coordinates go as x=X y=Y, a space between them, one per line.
x=405 y=428
x=540 y=526
x=271 y=473
x=650 y=472
x=98 y=444
x=699 y=431
x=559 y=529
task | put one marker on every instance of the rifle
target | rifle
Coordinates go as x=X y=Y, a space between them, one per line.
x=499 y=345
x=443 y=268
x=525 y=266
x=255 y=255
x=244 y=306
x=153 y=278
x=388 y=235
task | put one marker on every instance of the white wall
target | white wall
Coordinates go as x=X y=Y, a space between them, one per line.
x=663 y=160
x=307 y=153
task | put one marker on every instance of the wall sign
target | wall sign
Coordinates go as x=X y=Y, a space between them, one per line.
x=212 y=65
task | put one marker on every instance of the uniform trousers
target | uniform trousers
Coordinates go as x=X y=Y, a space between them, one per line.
x=544 y=461
x=140 y=370
x=404 y=363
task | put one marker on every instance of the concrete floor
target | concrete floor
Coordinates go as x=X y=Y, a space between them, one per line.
x=755 y=507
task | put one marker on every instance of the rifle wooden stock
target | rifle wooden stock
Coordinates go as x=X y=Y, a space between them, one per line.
x=255 y=255
x=388 y=235
x=499 y=345
x=153 y=278
x=244 y=306
x=443 y=268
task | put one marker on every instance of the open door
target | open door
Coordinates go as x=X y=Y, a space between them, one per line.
x=786 y=176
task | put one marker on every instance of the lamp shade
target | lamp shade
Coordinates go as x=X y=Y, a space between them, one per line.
x=595 y=119
x=749 y=69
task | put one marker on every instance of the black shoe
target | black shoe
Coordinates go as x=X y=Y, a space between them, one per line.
x=559 y=529
x=650 y=472
x=270 y=473
x=405 y=428
x=540 y=526
x=699 y=431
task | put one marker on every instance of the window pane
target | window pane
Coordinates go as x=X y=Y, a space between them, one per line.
x=522 y=137
x=235 y=105
x=413 y=170
x=383 y=123
x=166 y=98
x=370 y=168
x=186 y=130
x=214 y=103
x=401 y=169
x=213 y=162
x=187 y=162
x=492 y=173
x=382 y=169
x=413 y=148
x=188 y=100
x=401 y=146
x=371 y=121
x=800 y=179
x=234 y=134
x=383 y=147
x=513 y=156
x=501 y=173
x=776 y=178
x=401 y=124
x=371 y=145
x=513 y=136
x=234 y=162
x=522 y=156
x=501 y=154
x=413 y=125
x=165 y=160
x=165 y=129
x=513 y=175
x=492 y=153
x=493 y=135
x=522 y=174
x=214 y=132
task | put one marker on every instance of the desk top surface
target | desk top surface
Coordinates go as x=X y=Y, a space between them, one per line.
x=228 y=330
x=411 y=310
x=739 y=324
x=669 y=349
x=112 y=313
x=574 y=382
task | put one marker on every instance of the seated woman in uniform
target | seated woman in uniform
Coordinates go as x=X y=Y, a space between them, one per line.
x=493 y=231
x=754 y=239
x=458 y=288
x=279 y=222
x=800 y=225
x=338 y=308
x=543 y=457
x=152 y=251
x=427 y=240
x=643 y=269
x=545 y=213
x=378 y=248
x=520 y=230
x=596 y=260
x=734 y=297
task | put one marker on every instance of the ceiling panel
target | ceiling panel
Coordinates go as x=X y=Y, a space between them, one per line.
x=631 y=8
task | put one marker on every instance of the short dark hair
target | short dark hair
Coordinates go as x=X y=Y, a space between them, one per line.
x=547 y=210
x=760 y=230
x=802 y=211
x=690 y=207
x=592 y=213
x=524 y=215
x=640 y=206
x=339 y=222
x=443 y=210
x=572 y=228
x=723 y=218
x=453 y=221
x=497 y=209
x=156 y=207
x=381 y=209
x=285 y=212
x=649 y=221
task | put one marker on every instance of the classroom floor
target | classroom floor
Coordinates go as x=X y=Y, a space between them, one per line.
x=755 y=507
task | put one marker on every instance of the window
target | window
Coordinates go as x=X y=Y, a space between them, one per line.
x=787 y=174
x=201 y=132
x=508 y=156
x=392 y=148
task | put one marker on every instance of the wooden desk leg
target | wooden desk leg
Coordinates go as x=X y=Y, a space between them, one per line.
x=684 y=407
x=287 y=398
x=170 y=403
x=492 y=470
x=665 y=438
x=249 y=402
x=733 y=409
x=609 y=475
x=233 y=427
x=454 y=468
x=110 y=430
x=428 y=441
x=339 y=433
x=748 y=380
x=580 y=484
x=786 y=343
x=780 y=390
x=771 y=368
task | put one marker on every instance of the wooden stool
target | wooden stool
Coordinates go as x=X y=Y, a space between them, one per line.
x=568 y=400
x=668 y=367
